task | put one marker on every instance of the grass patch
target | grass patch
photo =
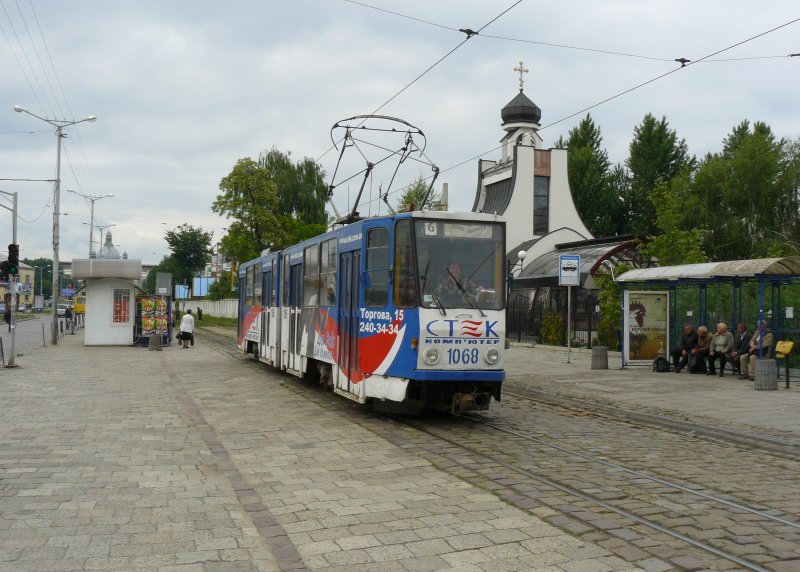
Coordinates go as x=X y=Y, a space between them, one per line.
x=215 y=321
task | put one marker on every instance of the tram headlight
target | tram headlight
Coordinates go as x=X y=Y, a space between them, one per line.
x=431 y=356
x=492 y=356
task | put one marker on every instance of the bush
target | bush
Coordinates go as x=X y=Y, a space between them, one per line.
x=552 y=327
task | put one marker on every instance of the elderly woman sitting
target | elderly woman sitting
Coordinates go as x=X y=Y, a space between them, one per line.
x=721 y=348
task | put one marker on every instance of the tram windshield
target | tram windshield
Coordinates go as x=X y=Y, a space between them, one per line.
x=460 y=264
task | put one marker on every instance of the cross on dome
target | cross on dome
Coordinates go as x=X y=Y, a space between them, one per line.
x=521 y=70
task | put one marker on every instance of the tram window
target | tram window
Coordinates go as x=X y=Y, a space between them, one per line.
x=248 y=300
x=268 y=289
x=273 y=282
x=405 y=283
x=327 y=273
x=257 y=278
x=311 y=276
x=376 y=292
x=285 y=281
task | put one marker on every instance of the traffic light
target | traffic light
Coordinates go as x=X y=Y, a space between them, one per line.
x=13 y=259
x=4 y=270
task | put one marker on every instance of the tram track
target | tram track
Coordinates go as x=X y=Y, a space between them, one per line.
x=558 y=479
x=783 y=447
x=528 y=471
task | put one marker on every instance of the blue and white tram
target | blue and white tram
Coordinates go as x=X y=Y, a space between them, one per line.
x=405 y=311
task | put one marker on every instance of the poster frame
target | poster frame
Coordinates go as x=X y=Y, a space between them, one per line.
x=626 y=325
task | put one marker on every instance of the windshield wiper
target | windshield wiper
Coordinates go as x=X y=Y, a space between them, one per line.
x=470 y=298
x=436 y=299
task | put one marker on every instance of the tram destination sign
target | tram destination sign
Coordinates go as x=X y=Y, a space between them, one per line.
x=569 y=270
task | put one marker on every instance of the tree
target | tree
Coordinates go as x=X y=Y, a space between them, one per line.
x=590 y=179
x=191 y=249
x=675 y=242
x=415 y=193
x=656 y=154
x=273 y=202
x=221 y=288
x=43 y=277
x=249 y=197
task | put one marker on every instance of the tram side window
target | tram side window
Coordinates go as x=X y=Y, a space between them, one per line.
x=405 y=284
x=376 y=292
x=248 y=301
x=257 y=278
x=285 y=278
x=311 y=276
x=327 y=273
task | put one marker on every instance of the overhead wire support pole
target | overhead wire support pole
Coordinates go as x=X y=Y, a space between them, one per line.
x=12 y=283
x=59 y=124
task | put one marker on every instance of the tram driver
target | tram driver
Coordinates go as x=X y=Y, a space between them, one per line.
x=452 y=285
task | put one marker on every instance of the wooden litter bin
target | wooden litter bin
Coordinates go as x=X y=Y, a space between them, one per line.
x=599 y=357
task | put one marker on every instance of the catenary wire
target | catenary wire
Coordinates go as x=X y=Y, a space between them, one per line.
x=606 y=100
x=420 y=76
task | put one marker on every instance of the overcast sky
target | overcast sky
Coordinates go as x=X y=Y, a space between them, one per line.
x=183 y=89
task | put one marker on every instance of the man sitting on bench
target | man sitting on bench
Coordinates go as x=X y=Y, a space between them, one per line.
x=760 y=345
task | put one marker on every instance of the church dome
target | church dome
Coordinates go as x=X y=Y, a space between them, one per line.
x=108 y=250
x=521 y=110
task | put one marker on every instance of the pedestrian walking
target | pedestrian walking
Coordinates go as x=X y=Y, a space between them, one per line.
x=187 y=329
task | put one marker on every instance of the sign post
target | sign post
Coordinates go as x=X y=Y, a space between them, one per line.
x=569 y=275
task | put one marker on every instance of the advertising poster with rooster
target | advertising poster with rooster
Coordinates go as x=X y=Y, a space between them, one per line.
x=646 y=325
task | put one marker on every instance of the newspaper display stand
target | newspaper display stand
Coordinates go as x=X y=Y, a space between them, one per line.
x=154 y=318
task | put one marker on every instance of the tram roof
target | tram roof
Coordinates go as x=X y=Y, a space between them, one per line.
x=788 y=266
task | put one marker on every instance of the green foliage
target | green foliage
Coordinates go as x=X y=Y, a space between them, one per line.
x=221 y=288
x=590 y=178
x=191 y=249
x=413 y=195
x=675 y=244
x=656 y=155
x=551 y=330
x=610 y=301
x=273 y=203
x=249 y=197
x=45 y=275
x=738 y=204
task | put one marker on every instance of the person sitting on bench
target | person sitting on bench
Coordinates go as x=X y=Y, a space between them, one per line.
x=760 y=346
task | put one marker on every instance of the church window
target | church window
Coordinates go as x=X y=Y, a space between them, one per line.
x=541 y=205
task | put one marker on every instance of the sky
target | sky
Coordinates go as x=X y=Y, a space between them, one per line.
x=184 y=89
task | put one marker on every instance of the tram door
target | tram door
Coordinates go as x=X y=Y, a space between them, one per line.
x=350 y=295
x=274 y=319
x=295 y=313
x=266 y=339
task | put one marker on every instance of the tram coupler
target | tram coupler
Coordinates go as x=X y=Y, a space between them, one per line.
x=463 y=402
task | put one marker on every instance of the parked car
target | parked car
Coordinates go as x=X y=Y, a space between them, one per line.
x=62 y=310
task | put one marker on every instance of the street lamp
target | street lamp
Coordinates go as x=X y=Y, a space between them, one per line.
x=59 y=124
x=91 y=199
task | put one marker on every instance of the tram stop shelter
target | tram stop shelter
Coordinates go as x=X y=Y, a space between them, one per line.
x=658 y=301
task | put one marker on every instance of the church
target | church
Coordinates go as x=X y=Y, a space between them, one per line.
x=529 y=186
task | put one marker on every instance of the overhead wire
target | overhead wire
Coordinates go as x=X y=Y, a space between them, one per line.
x=541 y=43
x=629 y=90
x=469 y=35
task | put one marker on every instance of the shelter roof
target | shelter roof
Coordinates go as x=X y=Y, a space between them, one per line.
x=544 y=270
x=730 y=269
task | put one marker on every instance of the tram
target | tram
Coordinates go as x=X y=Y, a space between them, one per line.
x=404 y=311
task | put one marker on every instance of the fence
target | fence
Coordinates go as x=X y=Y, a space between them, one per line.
x=216 y=308
x=546 y=321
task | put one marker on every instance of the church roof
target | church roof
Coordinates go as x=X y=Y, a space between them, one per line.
x=521 y=109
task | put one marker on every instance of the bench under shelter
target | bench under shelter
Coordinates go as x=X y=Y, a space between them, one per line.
x=705 y=294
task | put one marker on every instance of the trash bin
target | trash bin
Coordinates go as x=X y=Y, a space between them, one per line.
x=599 y=357
x=766 y=375
x=154 y=344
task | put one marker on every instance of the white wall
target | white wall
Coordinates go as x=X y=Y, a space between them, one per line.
x=100 y=329
x=216 y=308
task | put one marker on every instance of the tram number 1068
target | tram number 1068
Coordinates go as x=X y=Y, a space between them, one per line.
x=465 y=356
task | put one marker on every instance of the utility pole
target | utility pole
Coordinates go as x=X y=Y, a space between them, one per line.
x=12 y=281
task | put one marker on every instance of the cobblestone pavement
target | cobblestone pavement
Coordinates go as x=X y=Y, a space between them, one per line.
x=713 y=400
x=119 y=458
